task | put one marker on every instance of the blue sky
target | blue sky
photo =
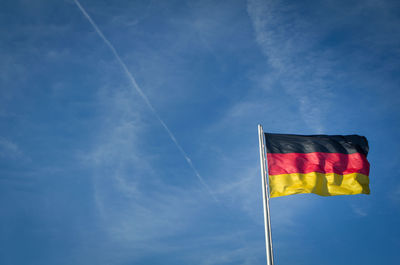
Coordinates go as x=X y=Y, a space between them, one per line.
x=98 y=169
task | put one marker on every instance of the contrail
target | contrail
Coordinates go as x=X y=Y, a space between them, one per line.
x=140 y=91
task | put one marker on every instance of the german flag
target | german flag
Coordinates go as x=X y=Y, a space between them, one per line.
x=326 y=165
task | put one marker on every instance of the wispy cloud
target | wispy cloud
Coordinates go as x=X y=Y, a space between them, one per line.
x=314 y=59
x=140 y=210
x=287 y=42
x=9 y=149
x=144 y=97
x=137 y=208
x=358 y=210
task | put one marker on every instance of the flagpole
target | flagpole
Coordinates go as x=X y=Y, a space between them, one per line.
x=267 y=219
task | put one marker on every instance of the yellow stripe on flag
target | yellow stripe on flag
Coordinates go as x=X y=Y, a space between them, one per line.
x=324 y=184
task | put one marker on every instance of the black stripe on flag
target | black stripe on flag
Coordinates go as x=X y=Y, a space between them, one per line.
x=292 y=143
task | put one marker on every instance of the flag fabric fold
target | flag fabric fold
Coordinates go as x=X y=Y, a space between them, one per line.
x=326 y=165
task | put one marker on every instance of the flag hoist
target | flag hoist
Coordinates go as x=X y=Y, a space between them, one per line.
x=325 y=165
x=264 y=181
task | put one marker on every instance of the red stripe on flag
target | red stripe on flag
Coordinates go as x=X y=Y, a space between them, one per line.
x=317 y=162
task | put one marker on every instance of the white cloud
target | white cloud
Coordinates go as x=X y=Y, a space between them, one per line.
x=9 y=149
x=287 y=41
x=359 y=210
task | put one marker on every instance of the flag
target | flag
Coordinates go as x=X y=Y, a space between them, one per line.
x=326 y=165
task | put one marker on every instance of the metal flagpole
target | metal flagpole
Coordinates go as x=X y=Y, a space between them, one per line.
x=267 y=219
